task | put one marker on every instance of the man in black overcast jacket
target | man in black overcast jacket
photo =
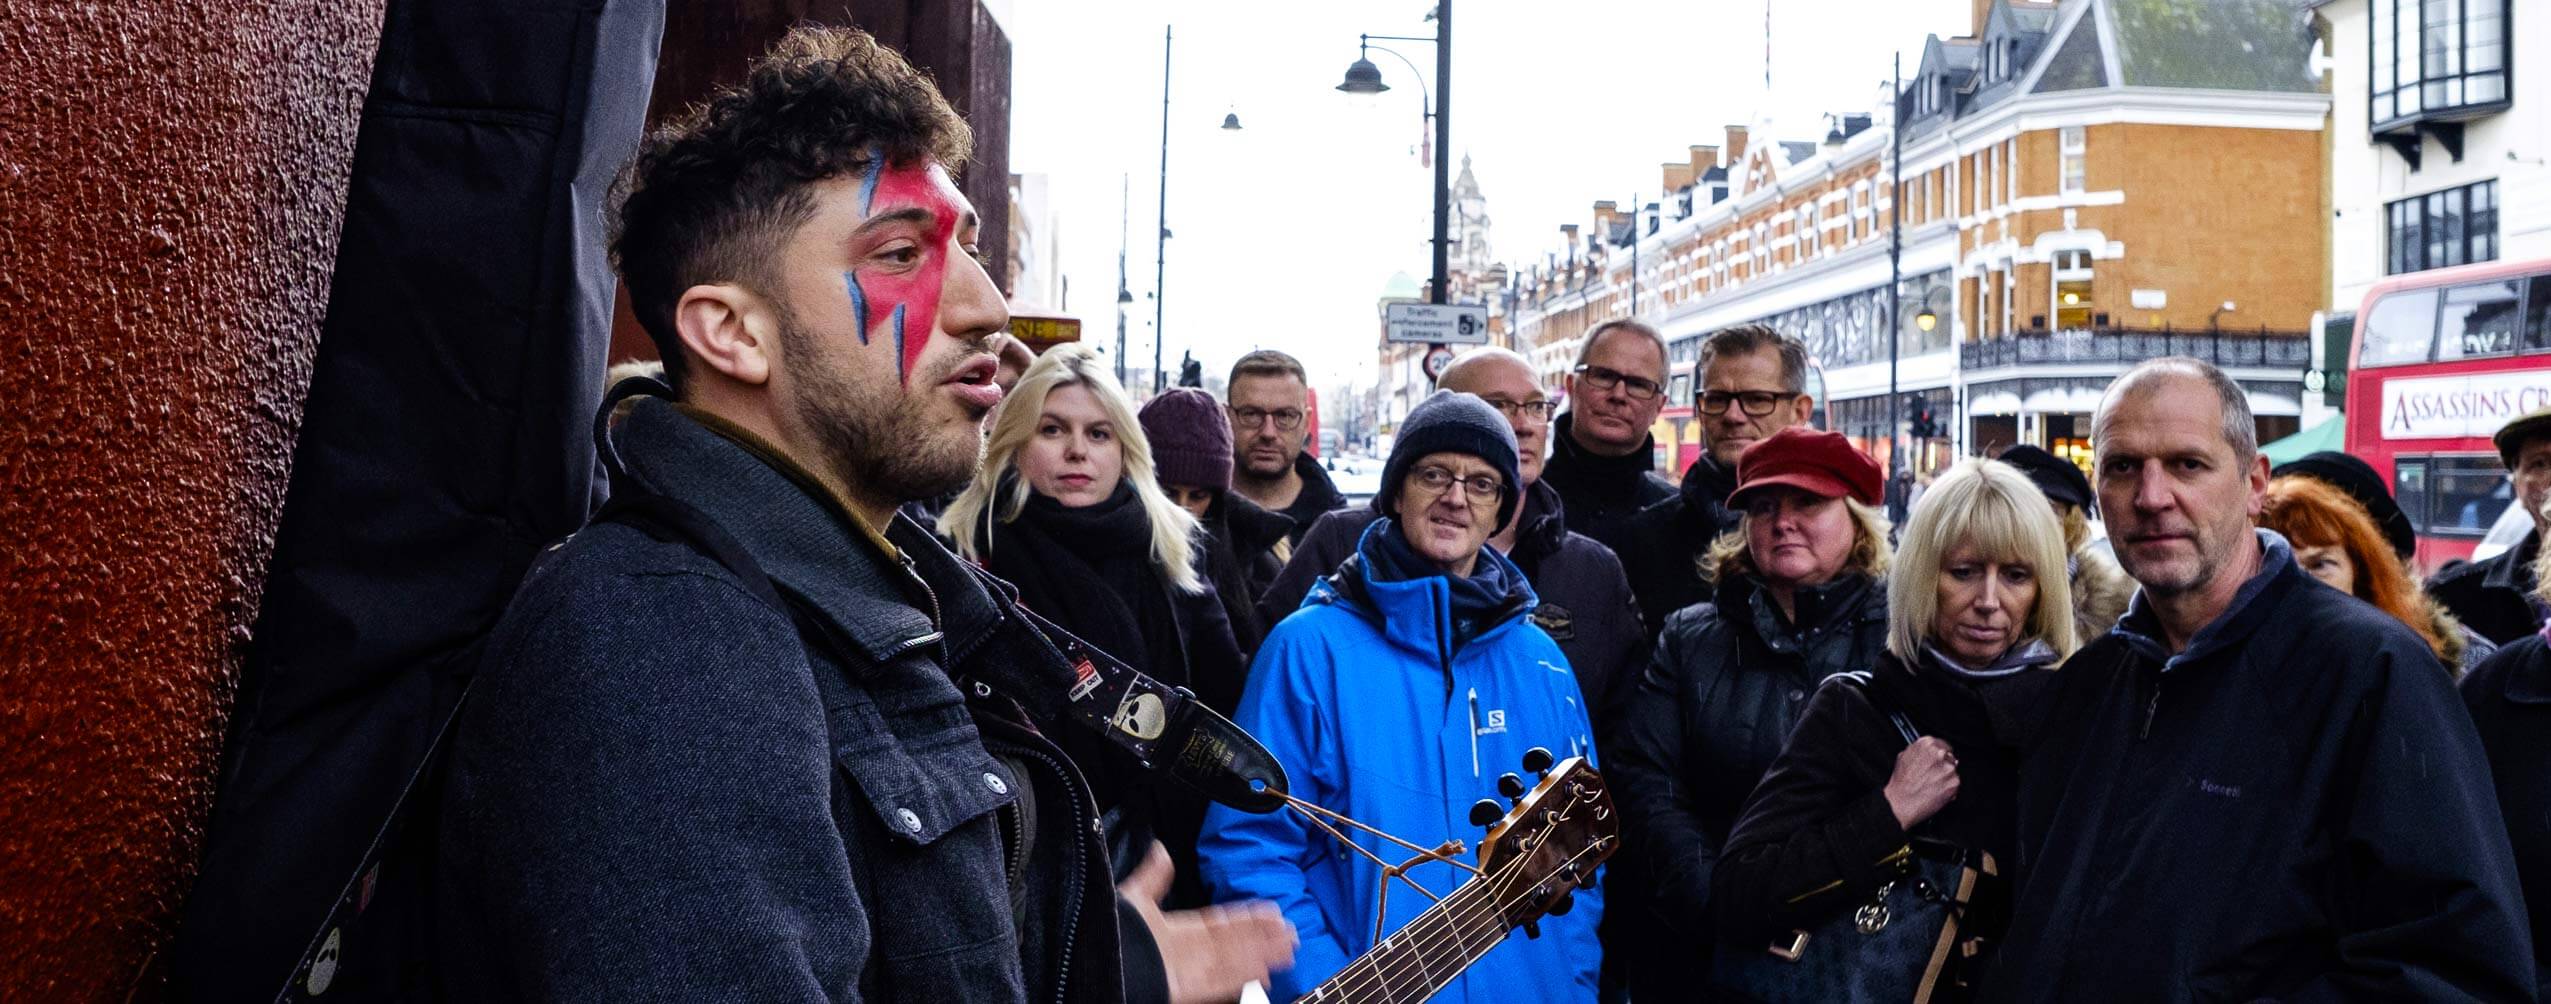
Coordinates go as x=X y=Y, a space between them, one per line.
x=2255 y=787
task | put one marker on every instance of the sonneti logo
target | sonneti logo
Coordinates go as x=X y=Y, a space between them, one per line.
x=2469 y=405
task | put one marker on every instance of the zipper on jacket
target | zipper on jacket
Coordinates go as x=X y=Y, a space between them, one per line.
x=913 y=572
x=2152 y=706
x=1072 y=905
x=1474 y=732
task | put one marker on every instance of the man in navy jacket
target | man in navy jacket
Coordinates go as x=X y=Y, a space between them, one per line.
x=2255 y=787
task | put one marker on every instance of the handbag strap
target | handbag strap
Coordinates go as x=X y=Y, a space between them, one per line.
x=1860 y=680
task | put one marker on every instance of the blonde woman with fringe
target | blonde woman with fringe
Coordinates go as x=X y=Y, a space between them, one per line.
x=1979 y=611
x=1066 y=507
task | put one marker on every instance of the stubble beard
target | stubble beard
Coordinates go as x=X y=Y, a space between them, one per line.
x=886 y=446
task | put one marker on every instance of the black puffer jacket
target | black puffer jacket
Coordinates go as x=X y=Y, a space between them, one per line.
x=1585 y=606
x=1662 y=545
x=1727 y=682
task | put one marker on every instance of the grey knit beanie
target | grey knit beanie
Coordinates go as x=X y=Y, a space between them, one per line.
x=1453 y=422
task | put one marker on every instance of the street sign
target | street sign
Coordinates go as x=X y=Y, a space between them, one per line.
x=1436 y=359
x=1042 y=332
x=1436 y=323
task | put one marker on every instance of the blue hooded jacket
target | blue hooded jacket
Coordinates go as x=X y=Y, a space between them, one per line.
x=1377 y=713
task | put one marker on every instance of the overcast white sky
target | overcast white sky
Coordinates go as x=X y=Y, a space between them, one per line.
x=1287 y=230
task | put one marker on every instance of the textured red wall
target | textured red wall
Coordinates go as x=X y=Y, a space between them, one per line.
x=172 y=178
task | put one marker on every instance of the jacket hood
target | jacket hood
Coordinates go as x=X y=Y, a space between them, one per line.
x=1417 y=614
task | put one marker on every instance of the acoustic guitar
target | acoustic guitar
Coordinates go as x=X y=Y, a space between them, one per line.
x=1533 y=858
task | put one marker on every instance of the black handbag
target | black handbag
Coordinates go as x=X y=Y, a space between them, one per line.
x=1890 y=948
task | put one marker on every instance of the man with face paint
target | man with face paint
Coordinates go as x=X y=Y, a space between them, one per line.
x=674 y=781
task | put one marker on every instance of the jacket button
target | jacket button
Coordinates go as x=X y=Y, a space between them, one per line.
x=1797 y=695
x=911 y=820
x=994 y=782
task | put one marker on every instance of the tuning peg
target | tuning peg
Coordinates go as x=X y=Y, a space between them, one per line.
x=1567 y=901
x=1538 y=760
x=1486 y=812
x=1532 y=929
x=1511 y=786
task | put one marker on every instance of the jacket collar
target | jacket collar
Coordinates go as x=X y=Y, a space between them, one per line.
x=2140 y=629
x=874 y=590
x=1416 y=614
x=1604 y=475
x=1851 y=598
x=1707 y=483
x=1319 y=494
x=1252 y=527
x=2514 y=569
x=1544 y=525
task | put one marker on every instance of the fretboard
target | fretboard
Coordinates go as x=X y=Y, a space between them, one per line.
x=1419 y=959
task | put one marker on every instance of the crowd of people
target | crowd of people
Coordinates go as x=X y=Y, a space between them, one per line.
x=2218 y=754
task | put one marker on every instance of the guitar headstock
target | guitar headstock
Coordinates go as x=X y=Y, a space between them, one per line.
x=1548 y=845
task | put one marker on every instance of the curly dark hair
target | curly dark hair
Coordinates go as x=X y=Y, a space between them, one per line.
x=712 y=194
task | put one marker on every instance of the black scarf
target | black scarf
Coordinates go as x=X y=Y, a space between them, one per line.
x=1481 y=600
x=1613 y=479
x=1090 y=569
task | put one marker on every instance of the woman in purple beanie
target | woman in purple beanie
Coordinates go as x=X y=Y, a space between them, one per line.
x=1245 y=545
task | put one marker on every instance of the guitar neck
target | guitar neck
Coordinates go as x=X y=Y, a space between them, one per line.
x=1421 y=958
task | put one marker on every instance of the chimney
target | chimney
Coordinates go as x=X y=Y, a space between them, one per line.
x=1983 y=13
x=1678 y=175
x=1735 y=147
x=1703 y=158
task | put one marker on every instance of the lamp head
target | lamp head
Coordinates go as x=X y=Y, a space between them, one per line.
x=1362 y=77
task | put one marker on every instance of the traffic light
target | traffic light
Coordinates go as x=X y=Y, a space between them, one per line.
x=1918 y=421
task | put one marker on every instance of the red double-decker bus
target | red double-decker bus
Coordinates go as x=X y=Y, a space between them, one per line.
x=2441 y=360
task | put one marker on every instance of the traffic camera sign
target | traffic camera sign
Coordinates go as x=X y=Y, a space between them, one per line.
x=1436 y=323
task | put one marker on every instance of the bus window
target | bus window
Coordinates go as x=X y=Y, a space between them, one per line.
x=2409 y=488
x=2465 y=496
x=2537 y=315
x=2400 y=329
x=2479 y=320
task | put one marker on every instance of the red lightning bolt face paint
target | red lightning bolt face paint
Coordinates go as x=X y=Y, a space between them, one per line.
x=900 y=301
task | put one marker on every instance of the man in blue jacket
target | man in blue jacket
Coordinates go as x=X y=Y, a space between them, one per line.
x=1406 y=683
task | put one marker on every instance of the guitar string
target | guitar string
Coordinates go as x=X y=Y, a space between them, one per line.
x=1389 y=871
x=1371 y=970
x=1459 y=920
x=1395 y=977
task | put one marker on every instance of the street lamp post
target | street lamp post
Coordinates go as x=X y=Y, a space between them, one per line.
x=1895 y=267
x=1362 y=77
x=1160 y=256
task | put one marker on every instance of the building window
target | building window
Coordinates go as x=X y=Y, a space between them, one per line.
x=1809 y=241
x=2451 y=227
x=2073 y=300
x=2076 y=159
x=1984 y=189
x=2436 y=56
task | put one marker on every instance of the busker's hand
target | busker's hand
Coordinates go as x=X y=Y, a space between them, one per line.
x=1210 y=953
x=1925 y=781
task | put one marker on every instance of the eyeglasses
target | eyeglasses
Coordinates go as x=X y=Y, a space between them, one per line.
x=1514 y=410
x=1757 y=403
x=1480 y=487
x=1287 y=419
x=1606 y=378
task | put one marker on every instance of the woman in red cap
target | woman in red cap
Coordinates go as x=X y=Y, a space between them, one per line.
x=1795 y=597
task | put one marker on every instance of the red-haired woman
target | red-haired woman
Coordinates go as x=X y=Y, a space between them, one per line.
x=2336 y=541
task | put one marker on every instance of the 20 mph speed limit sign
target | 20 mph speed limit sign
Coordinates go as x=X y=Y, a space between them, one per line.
x=1436 y=324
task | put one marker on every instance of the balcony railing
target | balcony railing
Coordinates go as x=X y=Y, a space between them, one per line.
x=2254 y=348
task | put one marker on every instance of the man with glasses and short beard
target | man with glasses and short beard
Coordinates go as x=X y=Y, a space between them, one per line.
x=1603 y=460
x=1409 y=680
x=1753 y=383
x=1269 y=400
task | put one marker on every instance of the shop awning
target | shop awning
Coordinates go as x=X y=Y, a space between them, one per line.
x=2325 y=436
